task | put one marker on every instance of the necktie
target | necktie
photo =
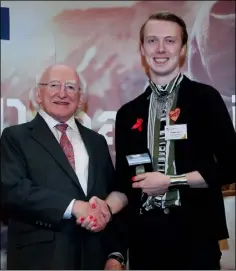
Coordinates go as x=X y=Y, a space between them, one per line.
x=163 y=100
x=66 y=144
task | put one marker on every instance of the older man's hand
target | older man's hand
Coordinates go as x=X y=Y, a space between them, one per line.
x=101 y=216
x=83 y=210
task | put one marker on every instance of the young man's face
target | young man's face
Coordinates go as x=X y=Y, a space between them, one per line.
x=162 y=48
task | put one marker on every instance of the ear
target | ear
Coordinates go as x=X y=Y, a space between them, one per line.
x=183 y=51
x=142 y=50
x=80 y=100
x=38 y=96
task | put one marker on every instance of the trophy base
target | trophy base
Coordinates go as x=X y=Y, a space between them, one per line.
x=140 y=169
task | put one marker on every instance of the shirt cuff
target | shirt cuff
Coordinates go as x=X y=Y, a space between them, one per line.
x=68 y=212
x=116 y=254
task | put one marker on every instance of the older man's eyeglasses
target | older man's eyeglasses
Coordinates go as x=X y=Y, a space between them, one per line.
x=56 y=86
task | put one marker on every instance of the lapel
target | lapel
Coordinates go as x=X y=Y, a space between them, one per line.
x=141 y=109
x=86 y=137
x=183 y=101
x=42 y=134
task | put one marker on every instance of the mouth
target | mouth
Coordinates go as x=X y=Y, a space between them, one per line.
x=61 y=103
x=160 y=60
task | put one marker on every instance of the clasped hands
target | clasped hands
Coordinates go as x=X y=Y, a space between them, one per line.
x=93 y=215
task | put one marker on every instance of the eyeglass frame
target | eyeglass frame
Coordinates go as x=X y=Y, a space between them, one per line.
x=59 y=84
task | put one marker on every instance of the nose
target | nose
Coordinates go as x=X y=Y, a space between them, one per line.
x=160 y=47
x=62 y=92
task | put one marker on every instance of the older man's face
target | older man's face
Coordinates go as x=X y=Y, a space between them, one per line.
x=59 y=93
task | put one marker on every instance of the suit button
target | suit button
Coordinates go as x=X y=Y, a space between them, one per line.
x=166 y=211
x=49 y=225
x=37 y=222
x=41 y=223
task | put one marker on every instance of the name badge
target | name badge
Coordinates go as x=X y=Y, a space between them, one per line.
x=175 y=132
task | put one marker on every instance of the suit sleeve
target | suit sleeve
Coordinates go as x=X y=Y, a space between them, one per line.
x=20 y=197
x=110 y=171
x=122 y=179
x=222 y=141
x=118 y=226
x=113 y=241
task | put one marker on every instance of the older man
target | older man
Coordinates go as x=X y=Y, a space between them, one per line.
x=51 y=168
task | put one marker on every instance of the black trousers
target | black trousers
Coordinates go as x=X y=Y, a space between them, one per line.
x=161 y=242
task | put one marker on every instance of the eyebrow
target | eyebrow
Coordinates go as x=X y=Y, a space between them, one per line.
x=71 y=81
x=148 y=37
x=67 y=81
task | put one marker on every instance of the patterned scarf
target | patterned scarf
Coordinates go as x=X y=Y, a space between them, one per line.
x=162 y=101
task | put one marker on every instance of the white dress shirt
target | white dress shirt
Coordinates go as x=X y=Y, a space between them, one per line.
x=80 y=152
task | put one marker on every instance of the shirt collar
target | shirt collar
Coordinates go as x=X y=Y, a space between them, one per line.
x=148 y=89
x=51 y=122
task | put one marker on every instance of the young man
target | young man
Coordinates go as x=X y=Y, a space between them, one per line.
x=175 y=212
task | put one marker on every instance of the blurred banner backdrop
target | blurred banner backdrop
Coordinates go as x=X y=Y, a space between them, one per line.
x=100 y=39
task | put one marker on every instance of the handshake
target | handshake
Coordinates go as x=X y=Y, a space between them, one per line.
x=93 y=215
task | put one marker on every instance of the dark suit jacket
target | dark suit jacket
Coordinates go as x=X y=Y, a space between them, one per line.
x=209 y=149
x=37 y=185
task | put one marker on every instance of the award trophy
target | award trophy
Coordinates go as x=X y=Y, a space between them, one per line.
x=139 y=163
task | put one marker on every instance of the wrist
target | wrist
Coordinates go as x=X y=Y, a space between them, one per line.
x=77 y=206
x=117 y=201
x=110 y=211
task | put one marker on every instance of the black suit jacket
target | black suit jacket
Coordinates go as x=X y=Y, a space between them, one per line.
x=209 y=149
x=37 y=185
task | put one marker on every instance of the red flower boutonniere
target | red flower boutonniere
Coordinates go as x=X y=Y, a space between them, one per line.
x=138 y=125
x=174 y=114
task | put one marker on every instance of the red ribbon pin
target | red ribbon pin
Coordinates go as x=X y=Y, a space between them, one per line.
x=138 y=125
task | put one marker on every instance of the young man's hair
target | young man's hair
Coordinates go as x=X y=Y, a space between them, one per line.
x=166 y=16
